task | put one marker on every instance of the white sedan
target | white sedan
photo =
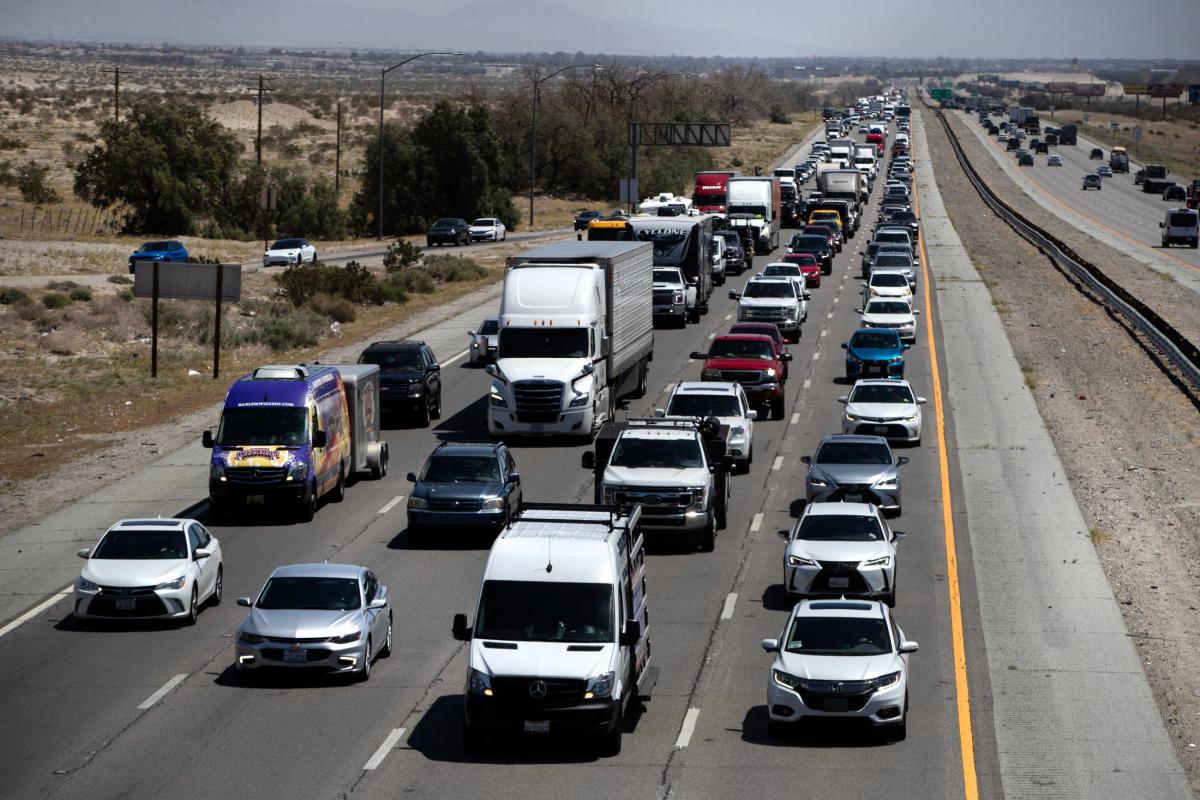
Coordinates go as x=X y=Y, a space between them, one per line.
x=896 y=314
x=289 y=251
x=488 y=229
x=885 y=408
x=150 y=568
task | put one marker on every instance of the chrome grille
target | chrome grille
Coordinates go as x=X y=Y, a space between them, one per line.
x=538 y=401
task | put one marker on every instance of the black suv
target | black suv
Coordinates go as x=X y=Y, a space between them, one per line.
x=583 y=218
x=464 y=485
x=448 y=230
x=735 y=255
x=410 y=379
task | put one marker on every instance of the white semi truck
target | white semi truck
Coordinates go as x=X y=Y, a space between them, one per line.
x=576 y=335
x=756 y=202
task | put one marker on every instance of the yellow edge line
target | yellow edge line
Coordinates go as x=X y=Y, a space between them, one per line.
x=962 y=690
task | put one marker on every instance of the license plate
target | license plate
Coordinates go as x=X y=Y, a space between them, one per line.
x=295 y=656
x=839 y=583
x=881 y=429
x=537 y=428
x=873 y=370
x=854 y=498
x=835 y=704
x=539 y=726
x=255 y=499
x=126 y=603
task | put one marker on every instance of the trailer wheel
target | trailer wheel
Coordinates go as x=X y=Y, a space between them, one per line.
x=643 y=381
x=381 y=470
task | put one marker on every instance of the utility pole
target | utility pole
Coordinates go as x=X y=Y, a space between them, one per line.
x=337 y=158
x=258 y=141
x=116 y=94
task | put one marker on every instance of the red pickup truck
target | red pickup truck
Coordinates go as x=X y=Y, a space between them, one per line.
x=752 y=361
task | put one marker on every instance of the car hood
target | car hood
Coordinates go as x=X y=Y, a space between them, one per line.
x=133 y=572
x=853 y=473
x=482 y=228
x=458 y=491
x=564 y=370
x=660 y=285
x=874 y=354
x=659 y=476
x=838 y=668
x=838 y=551
x=766 y=302
x=890 y=291
x=891 y=319
x=740 y=363
x=543 y=659
x=882 y=410
x=287 y=623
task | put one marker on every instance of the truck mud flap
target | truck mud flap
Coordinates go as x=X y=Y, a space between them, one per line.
x=646 y=684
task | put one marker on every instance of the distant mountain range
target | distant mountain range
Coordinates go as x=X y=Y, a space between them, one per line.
x=537 y=26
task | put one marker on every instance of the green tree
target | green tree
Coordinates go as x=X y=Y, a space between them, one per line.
x=168 y=162
x=31 y=181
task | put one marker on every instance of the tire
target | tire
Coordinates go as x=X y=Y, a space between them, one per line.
x=386 y=650
x=504 y=236
x=423 y=415
x=693 y=316
x=707 y=539
x=308 y=508
x=610 y=743
x=314 y=258
x=777 y=408
x=643 y=381
x=381 y=470
x=364 y=674
x=218 y=587
x=339 y=490
x=436 y=413
x=193 y=609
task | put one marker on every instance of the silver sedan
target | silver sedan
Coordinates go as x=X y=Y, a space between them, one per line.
x=333 y=617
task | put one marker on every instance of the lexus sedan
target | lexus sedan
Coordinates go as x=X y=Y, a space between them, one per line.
x=886 y=408
x=854 y=469
x=289 y=251
x=841 y=549
x=488 y=229
x=150 y=568
x=331 y=617
x=839 y=659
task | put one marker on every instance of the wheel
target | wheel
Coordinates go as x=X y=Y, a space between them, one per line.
x=339 y=490
x=643 y=381
x=693 y=315
x=898 y=733
x=708 y=537
x=792 y=336
x=504 y=236
x=381 y=470
x=364 y=674
x=610 y=743
x=722 y=515
x=193 y=608
x=314 y=258
x=436 y=413
x=308 y=508
x=218 y=587
x=423 y=415
x=429 y=242
x=386 y=650
x=777 y=408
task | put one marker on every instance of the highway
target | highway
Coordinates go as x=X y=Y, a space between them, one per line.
x=148 y=711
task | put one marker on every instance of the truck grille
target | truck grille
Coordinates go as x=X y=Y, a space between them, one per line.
x=538 y=692
x=255 y=475
x=741 y=376
x=765 y=313
x=538 y=401
x=653 y=497
x=664 y=297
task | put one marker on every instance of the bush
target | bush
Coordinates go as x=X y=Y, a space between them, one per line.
x=31 y=181
x=453 y=269
x=778 y=116
x=81 y=294
x=54 y=300
x=337 y=308
x=391 y=291
x=120 y=280
x=401 y=254
x=126 y=295
x=414 y=281
x=354 y=282
x=299 y=327
x=12 y=296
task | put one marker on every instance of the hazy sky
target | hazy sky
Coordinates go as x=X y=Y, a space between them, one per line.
x=957 y=28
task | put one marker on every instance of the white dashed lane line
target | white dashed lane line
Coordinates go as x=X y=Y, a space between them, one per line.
x=161 y=693
x=778 y=464
x=730 y=602
x=756 y=522
x=388 y=745
x=395 y=501
x=688 y=728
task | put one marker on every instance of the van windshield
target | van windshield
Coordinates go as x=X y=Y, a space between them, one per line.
x=263 y=426
x=527 y=611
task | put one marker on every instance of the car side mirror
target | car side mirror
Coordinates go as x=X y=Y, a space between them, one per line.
x=845 y=345
x=1160 y=225
x=319 y=439
x=470 y=333
x=752 y=414
x=844 y=399
x=246 y=602
x=698 y=355
x=806 y=460
x=632 y=634
x=786 y=357
x=435 y=367
x=206 y=439
x=733 y=294
x=660 y=412
x=808 y=295
x=459 y=628
x=411 y=477
x=378 y=602
x=909 y=647
x=916 y=312
x=770 y=645
x=201 y=552
x=906 y=346
x=858 y=311
x=898 y=535
x=514 y=477
x=588 y=460
x=84 y=553
x=921 y=401
x=901 y=461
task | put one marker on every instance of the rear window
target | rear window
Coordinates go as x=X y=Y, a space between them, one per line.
x=1182 y=219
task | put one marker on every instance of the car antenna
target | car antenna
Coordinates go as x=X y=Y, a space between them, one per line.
x=549 y=555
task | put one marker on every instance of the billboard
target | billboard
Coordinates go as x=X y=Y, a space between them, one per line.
x=188 y=281
x=1166 y=89
x=1135 y=88
x=1088 y=89
x=1060 y=88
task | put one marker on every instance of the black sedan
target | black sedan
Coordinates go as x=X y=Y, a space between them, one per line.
x=584 y=218
x=448 y=230
x=818 y=245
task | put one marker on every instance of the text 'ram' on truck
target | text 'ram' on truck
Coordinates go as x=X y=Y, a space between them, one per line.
x=561 y=640
x=576 y=336
x=709 y=194
x=757 y=203
x=293 y=434
x=676 y=470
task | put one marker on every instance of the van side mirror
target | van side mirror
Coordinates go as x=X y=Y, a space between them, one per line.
x=459 y=628
x=206 y=439
x=632 y=634
x=319 y=439
x=588 y=460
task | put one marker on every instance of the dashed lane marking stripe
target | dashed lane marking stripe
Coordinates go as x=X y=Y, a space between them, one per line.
x=688 y=728
x=756 y=522
x=389 y=744
x=730 y=602
x=395 y=501
x=161 y=693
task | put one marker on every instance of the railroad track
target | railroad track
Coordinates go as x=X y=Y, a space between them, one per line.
x=1174 y=347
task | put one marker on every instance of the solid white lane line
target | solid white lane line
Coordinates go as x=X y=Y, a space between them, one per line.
x=795 y=418
x=756 y=522
x=161 y=693
x=778 y=463
x=33 y=612
x=395 y=501
x=452 y=359
x=688 y=728
x=388 y=745
x=730 y=602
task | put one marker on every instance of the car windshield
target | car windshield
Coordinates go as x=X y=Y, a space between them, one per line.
x=840 y=528
x=657 y=452
x=298 y=593
x=142 y=545
x=287 y=244
x=544 y=343
x=807 y=242
x=667 y=276
x=1180 y=219
x=541 y=611
x=490 y=327
x=882 y=393
x=889 y=279
x=461 y=469
x=153 y=247
x=888 y=307
x=769 y=289
x=484 y=223
x=392 y=360
x=779 y=269
x=704 y=405
x=838 y=636
x=588 y=214
x=817 y=229
x=263 y=426
x=876 y=340
x=801 y=259
x=741 y=348
x=445 y=223
x=893 y=260
x=853 y=453
x=670 y=245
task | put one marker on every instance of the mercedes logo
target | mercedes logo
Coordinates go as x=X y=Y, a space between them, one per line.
x=537 y=690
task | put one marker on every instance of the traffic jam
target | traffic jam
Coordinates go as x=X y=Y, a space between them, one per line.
x=558 y=633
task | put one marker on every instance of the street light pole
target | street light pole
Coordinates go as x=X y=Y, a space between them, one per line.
x=382 y=76
x=637 y=85
x=537 y=82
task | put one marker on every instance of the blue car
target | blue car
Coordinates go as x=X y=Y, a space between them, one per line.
x=158 y=251
x=874 y=353
x=464 y=485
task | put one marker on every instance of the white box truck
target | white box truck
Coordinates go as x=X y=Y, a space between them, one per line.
x=576 y=335
x=757 y=203
x=561 y=639
x=843 y=184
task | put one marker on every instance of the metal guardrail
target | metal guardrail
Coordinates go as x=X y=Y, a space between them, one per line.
x=1173 y=345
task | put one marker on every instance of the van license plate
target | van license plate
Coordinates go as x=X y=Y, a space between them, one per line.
x=295 y=656
x=255 y=499
x=126 y=603
x=839 y=583
x=539 y=726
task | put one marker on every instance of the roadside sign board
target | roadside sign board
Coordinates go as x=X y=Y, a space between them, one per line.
x=629 y=190
x=939 y=94
x=1166 y=90
x=1137 y=133
x=1135 y=88
x=188 y=281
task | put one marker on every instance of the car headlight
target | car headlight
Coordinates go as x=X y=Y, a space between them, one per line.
x=801 y=561
x=417 y=502
x=609 y=495
x=699 y=497
x=785 y=680
x=853 y=359
x=884 y=681
x=770 y=371
x=910 y=418
x=86 y=585
x=600 y=686
x=888 y=483
x=737 y=430
x=580 y=400
x=216 y=472
x=884 y=561
x=415 y=389
x=679 y=297
x=493 y=503
x=479 y=683
x=249 y=638
x=710 y=374
x=818 y=482
x=347 y=638
x=497 y=399
x=178 y=583
x=297 y=471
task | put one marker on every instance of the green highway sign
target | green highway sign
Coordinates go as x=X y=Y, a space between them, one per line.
x=939 y=94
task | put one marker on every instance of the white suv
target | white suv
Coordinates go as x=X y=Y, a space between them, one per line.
x=841 y=549
x=725 y=401
x=839 y=659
